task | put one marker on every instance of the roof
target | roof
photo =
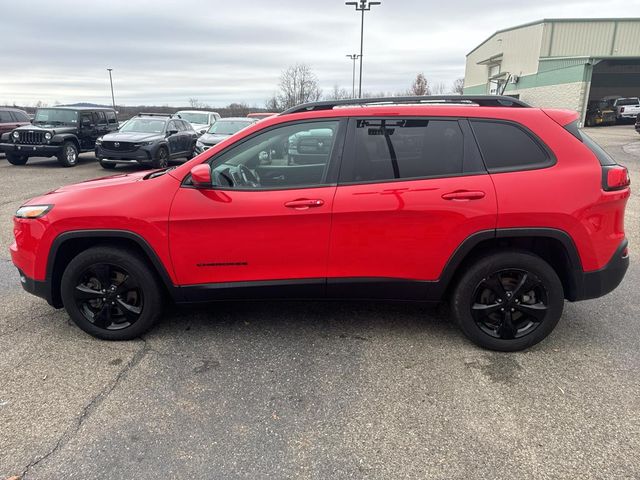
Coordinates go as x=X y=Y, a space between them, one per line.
x=195 y=111
x=12 y=109
x=555 y=20
x=91 y=109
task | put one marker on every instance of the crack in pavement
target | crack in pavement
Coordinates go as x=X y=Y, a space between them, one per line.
x=89 y=408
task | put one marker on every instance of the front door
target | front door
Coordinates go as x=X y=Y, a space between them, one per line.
x=410 y=192
x=89 y=132
x=174 y=138
x=267 y=216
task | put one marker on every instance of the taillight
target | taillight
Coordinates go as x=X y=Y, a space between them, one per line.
x=615 y=177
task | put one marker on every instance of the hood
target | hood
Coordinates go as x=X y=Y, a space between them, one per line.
x=47 y=128
x=200 y=126
x=110 y=181
x=212 y=138
x=131 y=136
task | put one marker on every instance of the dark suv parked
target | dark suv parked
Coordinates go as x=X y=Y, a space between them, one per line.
x=148 y=139
x=11 y=118
x=58 y=131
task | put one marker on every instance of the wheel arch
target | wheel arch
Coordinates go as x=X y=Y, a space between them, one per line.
x=66 y=137
x=68 y=244
x=552 y=245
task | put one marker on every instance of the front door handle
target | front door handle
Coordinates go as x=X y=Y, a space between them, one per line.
x=304 y=203
x=464 y=195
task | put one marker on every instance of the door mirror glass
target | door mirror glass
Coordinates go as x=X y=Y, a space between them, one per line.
x=171 y=132
x=201 y=175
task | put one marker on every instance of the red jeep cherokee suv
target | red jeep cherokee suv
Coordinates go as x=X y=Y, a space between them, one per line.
x=504 y=209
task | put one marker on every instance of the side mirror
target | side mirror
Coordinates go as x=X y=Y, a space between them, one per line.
x=201 y=175
x=171 y=132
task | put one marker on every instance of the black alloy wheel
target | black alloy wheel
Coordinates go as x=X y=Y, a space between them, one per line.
x=508 y=300
x=509 y=304
x=162 y=158
x=111 y=292
x=109 y=297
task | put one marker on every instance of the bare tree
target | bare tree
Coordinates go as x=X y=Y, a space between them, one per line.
x=438 y=88
x=271 y=105
x=338 y=93
x=238 y=109
x=420 y=86
x=458 y=86
x=195 y=103
x=298 y=84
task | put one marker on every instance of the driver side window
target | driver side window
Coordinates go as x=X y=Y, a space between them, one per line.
x=291 y=156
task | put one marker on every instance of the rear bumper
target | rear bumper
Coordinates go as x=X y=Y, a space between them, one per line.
x=598 y=283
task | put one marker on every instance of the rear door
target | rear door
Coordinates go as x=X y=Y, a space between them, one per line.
x=411 y=190
x=174 y=139
x=7 y=123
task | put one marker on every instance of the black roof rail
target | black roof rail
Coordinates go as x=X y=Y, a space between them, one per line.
x=170 y=115
x=480 y=100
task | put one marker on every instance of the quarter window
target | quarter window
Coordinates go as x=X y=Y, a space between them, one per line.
x=507 y=147
x=291 y=156
x=394 y=149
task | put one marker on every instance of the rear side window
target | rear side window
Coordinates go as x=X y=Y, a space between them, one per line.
x=5 y=116
x=507 y=147
x=395 y=149
x=20 y=116
x=111 y=117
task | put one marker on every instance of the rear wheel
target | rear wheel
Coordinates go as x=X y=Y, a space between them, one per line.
x=68 y=155
x=161 y=159
x=508 y=301
x=111 y=293
x=14 y=159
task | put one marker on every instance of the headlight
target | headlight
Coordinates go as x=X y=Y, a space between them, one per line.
x=16 y=135
x=47 y=136
x=98 y=141
x=199 y=144
x=33 y=211
x=203 y=131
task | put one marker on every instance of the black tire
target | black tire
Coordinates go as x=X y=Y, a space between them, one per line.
x=161 y=159
x=107 y=165
x=14 y=159
x=68 y=156
x=514 y=318
x=100 y=282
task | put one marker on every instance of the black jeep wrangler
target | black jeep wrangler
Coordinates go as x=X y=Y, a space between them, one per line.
x=63 y=132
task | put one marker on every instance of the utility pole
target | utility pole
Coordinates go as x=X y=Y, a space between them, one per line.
x=113 y=99
x=362 y=6
x=354 y=57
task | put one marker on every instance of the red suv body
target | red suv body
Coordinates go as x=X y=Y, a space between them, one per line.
x=505 y=210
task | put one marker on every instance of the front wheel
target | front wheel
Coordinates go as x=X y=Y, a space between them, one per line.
x=14 y=159
x=161 y=159
x=68 y=156
x=111 y=293
x=508 y=301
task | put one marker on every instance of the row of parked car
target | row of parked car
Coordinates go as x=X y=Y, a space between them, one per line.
x=148 y=138
x=612 y=110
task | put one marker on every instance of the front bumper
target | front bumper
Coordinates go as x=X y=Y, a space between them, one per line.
x=38 y=288
x=32 y=150
x=600 y=282
x=140 y=155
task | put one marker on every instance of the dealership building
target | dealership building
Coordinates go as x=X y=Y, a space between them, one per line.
x=561 y=63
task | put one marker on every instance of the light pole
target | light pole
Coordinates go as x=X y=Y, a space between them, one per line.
x=362 y=6
x=354 y=57
x=113 y=99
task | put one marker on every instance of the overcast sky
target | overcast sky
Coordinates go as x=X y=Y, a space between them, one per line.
x=226 y=51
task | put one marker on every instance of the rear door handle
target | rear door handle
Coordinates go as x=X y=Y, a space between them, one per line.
x=304 y=203
x=464 y=195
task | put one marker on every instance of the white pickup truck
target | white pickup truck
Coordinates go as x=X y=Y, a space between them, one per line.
x=627 y=108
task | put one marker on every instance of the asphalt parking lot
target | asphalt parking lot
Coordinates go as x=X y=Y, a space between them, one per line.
x=314 y=389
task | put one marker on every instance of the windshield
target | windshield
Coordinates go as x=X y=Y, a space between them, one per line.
x=52 y=115
x=195 y=117
x=223 y=127
x=144 y=125
x=628 y=101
